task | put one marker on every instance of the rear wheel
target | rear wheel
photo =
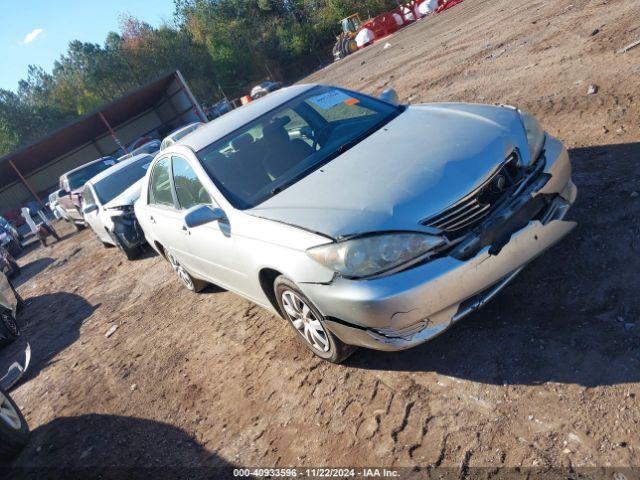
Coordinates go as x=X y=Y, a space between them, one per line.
x=193 y=284
x=309 y=323
x=14 y=431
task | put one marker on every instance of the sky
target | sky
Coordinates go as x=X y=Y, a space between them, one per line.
x=37 y=32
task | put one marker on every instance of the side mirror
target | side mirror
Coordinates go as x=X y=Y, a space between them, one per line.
x=90 y=208
x=390 y=95
x=201 y=215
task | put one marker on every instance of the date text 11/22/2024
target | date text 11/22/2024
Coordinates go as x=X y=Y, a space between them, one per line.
x=317 y=472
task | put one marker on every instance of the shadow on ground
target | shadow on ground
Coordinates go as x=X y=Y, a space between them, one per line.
x=112 y=446
x=31 y=269
x=573 y=315
x=50 y=323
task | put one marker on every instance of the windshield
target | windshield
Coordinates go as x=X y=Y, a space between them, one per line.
x=78 y=178
x=279 y=148
x=110 y=187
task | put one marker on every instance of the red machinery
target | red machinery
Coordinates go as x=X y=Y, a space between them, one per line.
x=443 y=4
x=389 y=22
x=358 y=34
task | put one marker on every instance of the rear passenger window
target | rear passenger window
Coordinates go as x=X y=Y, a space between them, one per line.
x=160 y=184
x=189 y=190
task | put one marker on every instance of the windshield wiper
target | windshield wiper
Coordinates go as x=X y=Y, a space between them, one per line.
x=358 y=138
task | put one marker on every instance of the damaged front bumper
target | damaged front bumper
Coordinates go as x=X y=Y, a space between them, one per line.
x=126 y=231
x=408 y=308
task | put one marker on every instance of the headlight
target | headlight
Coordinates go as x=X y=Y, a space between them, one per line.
x=535 y=134
x=365 y=256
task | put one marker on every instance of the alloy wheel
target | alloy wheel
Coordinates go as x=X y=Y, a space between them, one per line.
x=8 y=414
x=184 y=276
x=305 y=321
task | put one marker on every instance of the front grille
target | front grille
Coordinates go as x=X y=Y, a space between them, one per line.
x=472 y=209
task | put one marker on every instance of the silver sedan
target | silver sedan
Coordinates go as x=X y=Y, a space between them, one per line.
x=360 y=221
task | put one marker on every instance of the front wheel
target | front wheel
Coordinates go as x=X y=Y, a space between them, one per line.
x=10 y=324
x=309 y=323
x=14 y=431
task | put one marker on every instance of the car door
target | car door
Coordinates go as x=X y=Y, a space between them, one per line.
x=161 y=215
x=212 y=250
x=92 y=218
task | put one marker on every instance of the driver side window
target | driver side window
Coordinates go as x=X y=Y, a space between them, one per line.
x=189 y=190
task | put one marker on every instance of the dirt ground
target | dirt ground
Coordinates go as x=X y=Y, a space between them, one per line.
x=547 y=375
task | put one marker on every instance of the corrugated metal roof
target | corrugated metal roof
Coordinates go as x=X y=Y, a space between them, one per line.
x=81 y=131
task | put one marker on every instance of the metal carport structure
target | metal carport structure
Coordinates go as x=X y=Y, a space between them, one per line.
x=154 y=109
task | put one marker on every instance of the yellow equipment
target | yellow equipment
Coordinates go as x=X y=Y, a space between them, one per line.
x=346 y=41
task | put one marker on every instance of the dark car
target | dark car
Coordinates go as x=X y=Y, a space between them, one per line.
x=8 y=264
x=219 y=109
x=265 y=88
x=72 y=184
x=10 y=304
x=10 y=240
x=14 y=431
x=150 y=148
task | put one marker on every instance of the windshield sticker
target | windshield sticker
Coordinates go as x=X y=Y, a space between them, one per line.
x=332 y=98
x=109 y=162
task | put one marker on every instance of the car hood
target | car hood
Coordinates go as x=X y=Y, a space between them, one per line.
x=421 y=162
x=128 y=197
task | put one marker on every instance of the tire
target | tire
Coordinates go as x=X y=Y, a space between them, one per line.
x=308 y=323
x=344 y=47
x=352 y=46
x=14 y=431
x=189 y=282
x=9 y=323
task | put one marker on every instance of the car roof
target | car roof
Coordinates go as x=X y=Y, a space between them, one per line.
x=235 y=119
x=118 y=166
x=108 y=157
